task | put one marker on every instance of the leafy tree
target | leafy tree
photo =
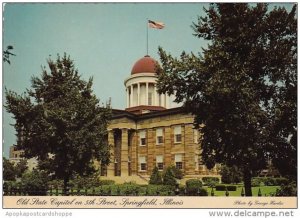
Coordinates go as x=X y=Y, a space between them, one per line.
x=156 y=178
x=231 y=174
x=169 y=177
x=242 y=88
x=61 y=122
x=177 y=172
x=35 y=182
x=21 y=167
x=9 y=173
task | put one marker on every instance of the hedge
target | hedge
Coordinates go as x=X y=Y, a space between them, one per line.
x=193 y=186
x=210 y=181
x=269 y=181
x=223 y=188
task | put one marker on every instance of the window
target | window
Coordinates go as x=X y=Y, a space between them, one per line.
x=177 y=134
x=178 y=161
x=142 y=134
x=150 y=98
x=160 y=162
x=143 y=164
x=159 y=136
x=196 y=136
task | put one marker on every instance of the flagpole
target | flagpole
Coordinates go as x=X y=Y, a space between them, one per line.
x=147 y=34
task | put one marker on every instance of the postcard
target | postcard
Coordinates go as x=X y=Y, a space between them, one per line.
x=150 y=105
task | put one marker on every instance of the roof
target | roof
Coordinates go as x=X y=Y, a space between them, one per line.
x=117 y=114
x=145 y=65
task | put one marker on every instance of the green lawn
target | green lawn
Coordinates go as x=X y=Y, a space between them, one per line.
x=265 y=191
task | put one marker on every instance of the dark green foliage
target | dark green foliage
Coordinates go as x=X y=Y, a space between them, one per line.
x=107 y=182
x=288 y=190
x=80 y=182
x=156 y=178
x=231 y=187
x=231 y=175
x=225 y=187
x=9 y=172
x=177 y=172
x=56 y=184
x=202 y=192
x=21 y=167
x=61 y=116
x=243 y=87
x=269 y=181
x=210 y=181
x=35 y=182
x=129 y=188
x=257 y=181
x=169 y=177
x=220 y=187
x=281 y=181
x=193 y=186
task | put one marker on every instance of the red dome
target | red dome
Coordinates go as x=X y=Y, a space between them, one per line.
x=145 y=65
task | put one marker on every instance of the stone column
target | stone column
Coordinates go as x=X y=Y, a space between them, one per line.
x=155 y=95
x=111 y=166
x=131 y=96
x=127 y=96
x=146 y=95
x=138 y=94
x=124 y=153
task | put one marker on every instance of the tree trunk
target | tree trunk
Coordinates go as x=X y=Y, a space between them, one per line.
x=247 y=182
x=66 y=185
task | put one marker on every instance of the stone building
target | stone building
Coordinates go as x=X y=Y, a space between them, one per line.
x=149 y=133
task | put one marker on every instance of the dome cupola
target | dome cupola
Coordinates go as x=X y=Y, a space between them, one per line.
x=145 y=65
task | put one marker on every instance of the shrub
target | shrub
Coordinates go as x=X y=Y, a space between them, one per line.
x=220 y=187
x=106 y=182
x=85 y=182
x=169 y=177
x=56 y=183
x=128 y=188
x=202 y=192
x=287 y=190
x=156 y=177
x=177 y=172
x=231 y=188
x=192 y=186
x=281 y=181
x=256 y=181
x=230 y=174
x=269 y=181
x=210 y=181
x=35 y=182
x=161 y=190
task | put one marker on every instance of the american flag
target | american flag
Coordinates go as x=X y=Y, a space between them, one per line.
x=155 y=25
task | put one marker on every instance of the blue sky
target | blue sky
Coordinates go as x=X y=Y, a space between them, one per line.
x=104 y=40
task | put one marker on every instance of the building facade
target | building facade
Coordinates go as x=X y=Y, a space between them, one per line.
x=149 y=133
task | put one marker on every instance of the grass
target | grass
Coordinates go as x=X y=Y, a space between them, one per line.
x=265 y=191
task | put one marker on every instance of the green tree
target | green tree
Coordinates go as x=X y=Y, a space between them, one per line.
x=35 y=182
x=155 y=178
x=61 y=122
x=169 y=177
x=9 y=172
x=230 y=174
x=239 y=87
x=21 y=167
